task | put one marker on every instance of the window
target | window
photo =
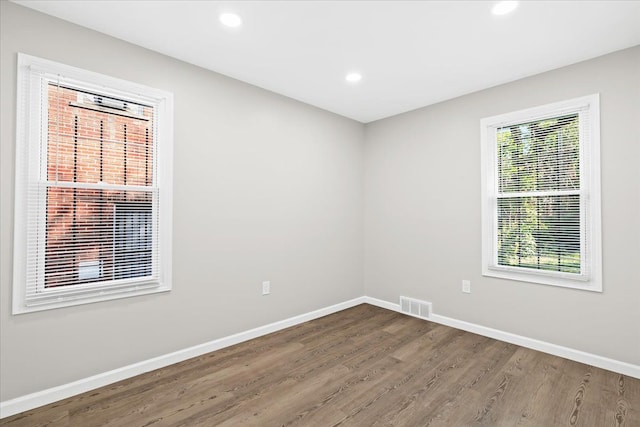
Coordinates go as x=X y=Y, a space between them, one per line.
x=93 y=187
x=541 y=195
x=132 y=240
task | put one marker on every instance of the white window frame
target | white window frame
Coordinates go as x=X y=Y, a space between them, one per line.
x=30 y=175
x=590 y=278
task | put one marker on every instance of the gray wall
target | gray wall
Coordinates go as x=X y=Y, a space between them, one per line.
x=265 y=188
x=422 y=212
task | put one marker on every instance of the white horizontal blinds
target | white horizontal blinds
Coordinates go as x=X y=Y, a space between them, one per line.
x=97 y=225
x=539 y=195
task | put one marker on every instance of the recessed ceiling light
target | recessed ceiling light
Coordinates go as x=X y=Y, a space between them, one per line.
x=353 y=77
x=504 y=7
x=231 y=20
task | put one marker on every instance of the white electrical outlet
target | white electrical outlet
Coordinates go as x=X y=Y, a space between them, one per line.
x=266 y=288
x=466 y=286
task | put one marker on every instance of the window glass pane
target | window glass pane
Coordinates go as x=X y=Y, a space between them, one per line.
x=541 y=233
x=539 y=156
x=95 y=139
x=97 y=235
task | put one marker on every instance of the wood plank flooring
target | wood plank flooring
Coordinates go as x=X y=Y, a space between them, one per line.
x=365 y=366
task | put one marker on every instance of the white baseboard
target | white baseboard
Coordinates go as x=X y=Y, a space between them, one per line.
x=545 y=347
x=54 y=394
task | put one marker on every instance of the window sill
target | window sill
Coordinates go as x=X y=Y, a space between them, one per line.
x=88 y=298
x=592 y=285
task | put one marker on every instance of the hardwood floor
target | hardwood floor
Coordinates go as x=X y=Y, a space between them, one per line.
x=365 y=366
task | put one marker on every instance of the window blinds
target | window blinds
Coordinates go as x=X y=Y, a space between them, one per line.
x=539 y=194
x=93 y=199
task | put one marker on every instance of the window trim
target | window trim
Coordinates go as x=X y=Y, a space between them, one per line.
x=590 y=211
x=31 y=154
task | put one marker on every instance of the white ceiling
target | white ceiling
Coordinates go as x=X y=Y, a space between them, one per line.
x=411 y=54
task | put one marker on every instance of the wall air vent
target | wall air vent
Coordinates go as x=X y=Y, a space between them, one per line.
x=415 y=307
x=110 y=102
x=108 y=105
